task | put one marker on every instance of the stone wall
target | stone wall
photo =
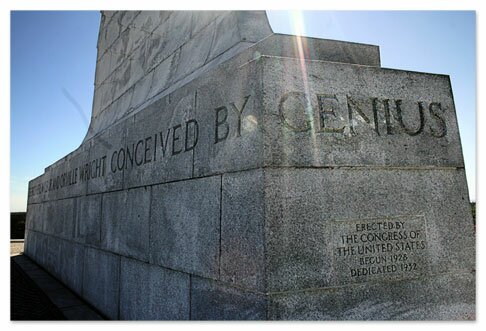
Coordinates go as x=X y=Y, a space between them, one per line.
x=141 y=56
x=266 y=186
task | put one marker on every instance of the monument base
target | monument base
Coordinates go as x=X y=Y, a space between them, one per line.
x=268 y=186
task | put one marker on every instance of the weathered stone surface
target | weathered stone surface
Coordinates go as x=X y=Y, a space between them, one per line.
x=52 y=222
x=161 y=77
x=169 y=83
x=161 y=142
x=87 y=220
x=335 y=132
x=29 y=217
x=29 y=243
x=212 y=300
x=168 y=37
x=253 y=25
x=184 y=40
x=141 y=90
x=37 y=190
x=55 y=184
x=150 y=292
x=441 y=297
x=185 y=226
x=127 y=17
x=105 y=168
x=40 y=252
x=318 y=49
x=242 y=229
x=66 y=218
x=101 y=279
x=111 y=31
x=53 y=256
x=230 y=111
x=126 y=75
x=35 y=216
x=64 y=179
x=59 y=218
x=102 y=98
x=301 y=205
x=121 y=106
x=71 y=265
x=196 y=52
x=125 y=222
x=203 y=18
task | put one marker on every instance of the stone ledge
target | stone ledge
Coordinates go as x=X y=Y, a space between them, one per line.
x=70 y=305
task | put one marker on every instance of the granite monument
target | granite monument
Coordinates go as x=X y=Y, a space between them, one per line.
x=232 y=173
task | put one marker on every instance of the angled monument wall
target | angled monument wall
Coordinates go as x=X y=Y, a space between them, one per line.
x=233 y=173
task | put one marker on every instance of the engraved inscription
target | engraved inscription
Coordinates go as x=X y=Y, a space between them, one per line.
x=348 y=115
x=170 y=142
x=320 y=113
x=221 y=126
x=177 y=139
x=365 y=250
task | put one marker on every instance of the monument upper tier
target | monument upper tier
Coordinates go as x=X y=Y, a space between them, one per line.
x=142 y=58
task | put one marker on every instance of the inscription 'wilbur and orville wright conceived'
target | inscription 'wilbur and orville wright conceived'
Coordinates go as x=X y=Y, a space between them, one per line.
x=232 y=173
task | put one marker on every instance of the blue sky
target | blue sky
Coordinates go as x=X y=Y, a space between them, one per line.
x=50 y=52
x=53 y=57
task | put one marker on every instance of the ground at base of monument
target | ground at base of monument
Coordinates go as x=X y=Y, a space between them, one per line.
x=16 y=247
x=35 y=295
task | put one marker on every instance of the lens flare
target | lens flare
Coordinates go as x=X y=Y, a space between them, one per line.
x=250 y=123
x=302 y=48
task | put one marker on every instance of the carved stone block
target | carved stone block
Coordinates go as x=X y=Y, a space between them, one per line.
x=225 y=175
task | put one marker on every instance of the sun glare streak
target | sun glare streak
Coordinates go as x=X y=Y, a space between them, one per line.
x=303 y=51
